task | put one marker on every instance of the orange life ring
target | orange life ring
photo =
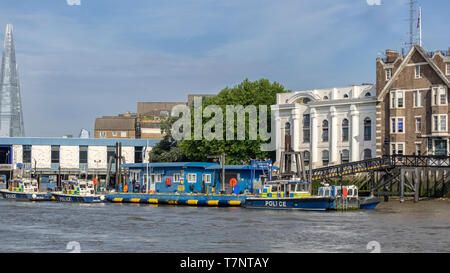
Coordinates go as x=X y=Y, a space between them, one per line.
x=233 y=182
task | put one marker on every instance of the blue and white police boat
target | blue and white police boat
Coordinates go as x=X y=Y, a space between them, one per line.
x=25 y=189
x=78 y=191
x=346 y=197
x=288 y=194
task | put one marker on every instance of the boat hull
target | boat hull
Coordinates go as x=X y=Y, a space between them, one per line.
x=71 y=198
x=369 y=203
x=300 y=203
x=38 y=196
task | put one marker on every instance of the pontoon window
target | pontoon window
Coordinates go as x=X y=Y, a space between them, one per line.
x=350 y=192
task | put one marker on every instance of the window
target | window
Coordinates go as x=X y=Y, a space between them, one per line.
x=102 y=134
x=367 y=154
x=306 y=156
x=442 y=96
x=447 y=68
x=397 y=148
x=400 y=99
x=110 y=152
x=26 y=154
x=418 y=72
x=397 y=125
x=325 y=131
x=176 y=177
x=388 y=74
x=397 y=99
x=114 y=134
x=207 y=178
x=325 y=157
x=55 y=153
x=443 y=123
x=306 y=128
x=123 y=134
x=287 y=128
x=440 y=123
x=192 y=177
x=138 y=154
x=345 y=96
x=367 y=129
x=435 y=96
x=368 y=94
x=156 y=177
x=400 y=148
x=418 y=124
x=418 y=149
x=418 y=98
x=345 y=156
x=325 y=98
x=83 y=155
x=345 y=130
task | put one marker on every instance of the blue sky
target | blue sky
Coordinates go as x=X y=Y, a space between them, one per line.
x=80 y=62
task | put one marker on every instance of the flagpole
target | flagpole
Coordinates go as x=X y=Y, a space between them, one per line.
x=420 y=26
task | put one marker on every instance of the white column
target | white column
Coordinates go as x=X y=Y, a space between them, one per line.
x=295 y=133
x=334 y=157
x=277 y=133
x=314 y=137
x=354 y=113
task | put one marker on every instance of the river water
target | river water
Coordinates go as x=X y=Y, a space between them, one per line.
x=56 y=227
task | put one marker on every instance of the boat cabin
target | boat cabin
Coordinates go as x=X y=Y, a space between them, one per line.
x=23 y=185
x=78 y=187
x=287 y=188
x=336 y=191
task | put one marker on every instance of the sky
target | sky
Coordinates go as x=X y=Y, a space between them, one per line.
x=83 y=59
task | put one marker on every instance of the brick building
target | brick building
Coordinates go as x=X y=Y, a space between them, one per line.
x=412 y=102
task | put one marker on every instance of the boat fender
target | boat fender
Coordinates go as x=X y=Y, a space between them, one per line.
x=102 y=197
x=34 y=196
x=233 y=182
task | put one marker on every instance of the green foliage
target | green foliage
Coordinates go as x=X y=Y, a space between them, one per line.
x=260 y=92
x=166 y=150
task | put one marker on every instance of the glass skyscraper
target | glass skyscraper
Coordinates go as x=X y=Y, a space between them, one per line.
x=11 y=116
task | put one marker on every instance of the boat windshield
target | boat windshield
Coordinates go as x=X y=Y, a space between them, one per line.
x=83 y=186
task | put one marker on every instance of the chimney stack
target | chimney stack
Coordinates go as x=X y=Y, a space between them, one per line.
x=391 y=55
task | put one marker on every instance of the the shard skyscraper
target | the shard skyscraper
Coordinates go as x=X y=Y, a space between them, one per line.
x=11 y=117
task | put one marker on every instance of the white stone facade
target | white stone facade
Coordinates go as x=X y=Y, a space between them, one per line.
x=341 y=127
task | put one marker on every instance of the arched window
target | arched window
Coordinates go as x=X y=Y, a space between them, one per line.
x=306 y=155
x=325 y=98
x=345 y=130
x=345 y=96
x=368 y=94
x=367 y=129
x=325 y=157
x=367 y=154
x=345 y=156
x=325 y=131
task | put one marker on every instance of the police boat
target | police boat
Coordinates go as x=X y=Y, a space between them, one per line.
x=288 y=194
x=346 y=197
x=78 y=191
x=26 y=189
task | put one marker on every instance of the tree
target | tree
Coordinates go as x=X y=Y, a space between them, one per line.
x=166 y=150
x=260 y=92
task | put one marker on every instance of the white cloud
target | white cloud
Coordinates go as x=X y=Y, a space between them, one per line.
x=74 y=2
x=373 y=2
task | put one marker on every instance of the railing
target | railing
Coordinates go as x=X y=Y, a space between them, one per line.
x=381 y=163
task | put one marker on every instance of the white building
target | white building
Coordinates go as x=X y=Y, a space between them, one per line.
x=331 y=125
